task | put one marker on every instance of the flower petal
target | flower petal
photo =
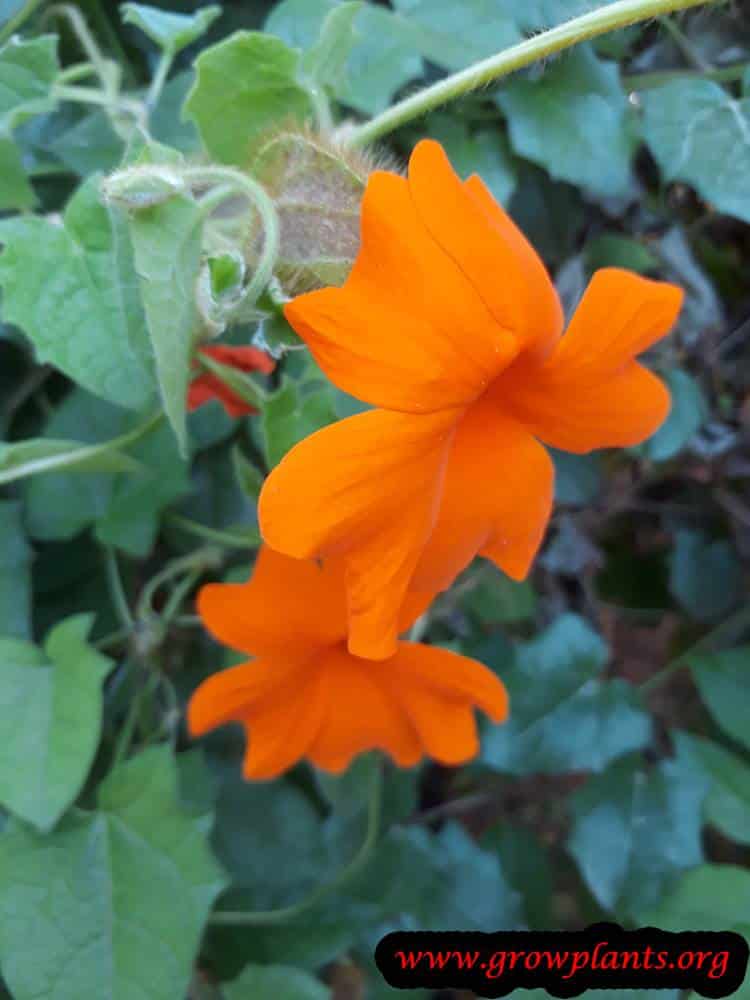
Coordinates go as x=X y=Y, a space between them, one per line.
x=223 y=697
x=245 y=359
x=283 y=727
x=361 y=715
x=483 y=241
x=289 y=607
x=590 y=393
x=407 y=331
x=456 y=676
x=365 y=489
x=207 y=387
x=438 y=689
x=496 y=500
x=620 y=315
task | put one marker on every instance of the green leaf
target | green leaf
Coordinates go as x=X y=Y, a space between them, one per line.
x=383 y=57
x=275 y=982
x=27 y=71
x=696 y=563
x=289 y=416
x=36 y=455
x=299 y=23
x=722 y=681
x=72 y=289
x=527 y=866
x=172 y=32
x=689 y=411
x=50 y=715
x=573 y=121
x=15 y=573
x=700 y=134
x=216 y=499
x=244 y=86
x=248 y=476
x=89 y=145
x=613 y=250
x=454 y=35
x=325 y=61
x=727 y=806
x=423 y=881
x=382 y=62
x=564 y=717
x=495 y=599
x=484 y=152
x=635 y=830
x=709 y=898
x=124 y=507
x=15 y=190
x=578 y=478
x=131 y=884
x=167 y=246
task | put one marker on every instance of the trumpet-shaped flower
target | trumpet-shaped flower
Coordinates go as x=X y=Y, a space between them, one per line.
x=451 y=326
x=306 y=696
x=208 y=386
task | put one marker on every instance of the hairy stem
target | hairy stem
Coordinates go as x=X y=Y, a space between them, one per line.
x=579 y=29
x=234 y=180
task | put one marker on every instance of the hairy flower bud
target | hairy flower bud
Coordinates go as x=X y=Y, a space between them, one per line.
x=317 y=189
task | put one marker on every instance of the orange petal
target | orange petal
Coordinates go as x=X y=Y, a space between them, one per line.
x=620 y=411
x=245 y=359
x=620 y=315
x=225 y=696
x=496 y=501
x=282 y=729
x=365 y=489
x=590 y=393
x=289 y=607
x=362 y=714
x=408 y=331
x=438 y=690
x=472 y=228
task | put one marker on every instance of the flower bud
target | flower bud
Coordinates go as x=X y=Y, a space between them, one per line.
x=317 y=189
x=136 y=188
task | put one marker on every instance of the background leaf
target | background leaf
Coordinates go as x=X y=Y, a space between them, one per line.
x=699 y=133
x=134 y=882
x=51 y=710
x=167 y=246
x=722 y=682
x=635 y=830
x=275 y=982
x=564 y=718
x=573 y=121
x=15 y=573
x=72 y=290
x=244 y=85
x=172 y=32
x=125 y=507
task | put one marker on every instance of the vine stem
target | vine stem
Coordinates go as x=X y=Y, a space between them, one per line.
x=234 y=180
x=15 y=22
x=116 y=589
x=597 y=22
x=732 y=626
x=262 y=917
x=160 y=78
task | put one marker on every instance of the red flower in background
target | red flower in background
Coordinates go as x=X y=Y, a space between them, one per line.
x=208 y=386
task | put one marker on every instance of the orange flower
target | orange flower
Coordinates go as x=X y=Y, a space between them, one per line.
x=450 y=324
x=306 y=696
x=209 y=386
